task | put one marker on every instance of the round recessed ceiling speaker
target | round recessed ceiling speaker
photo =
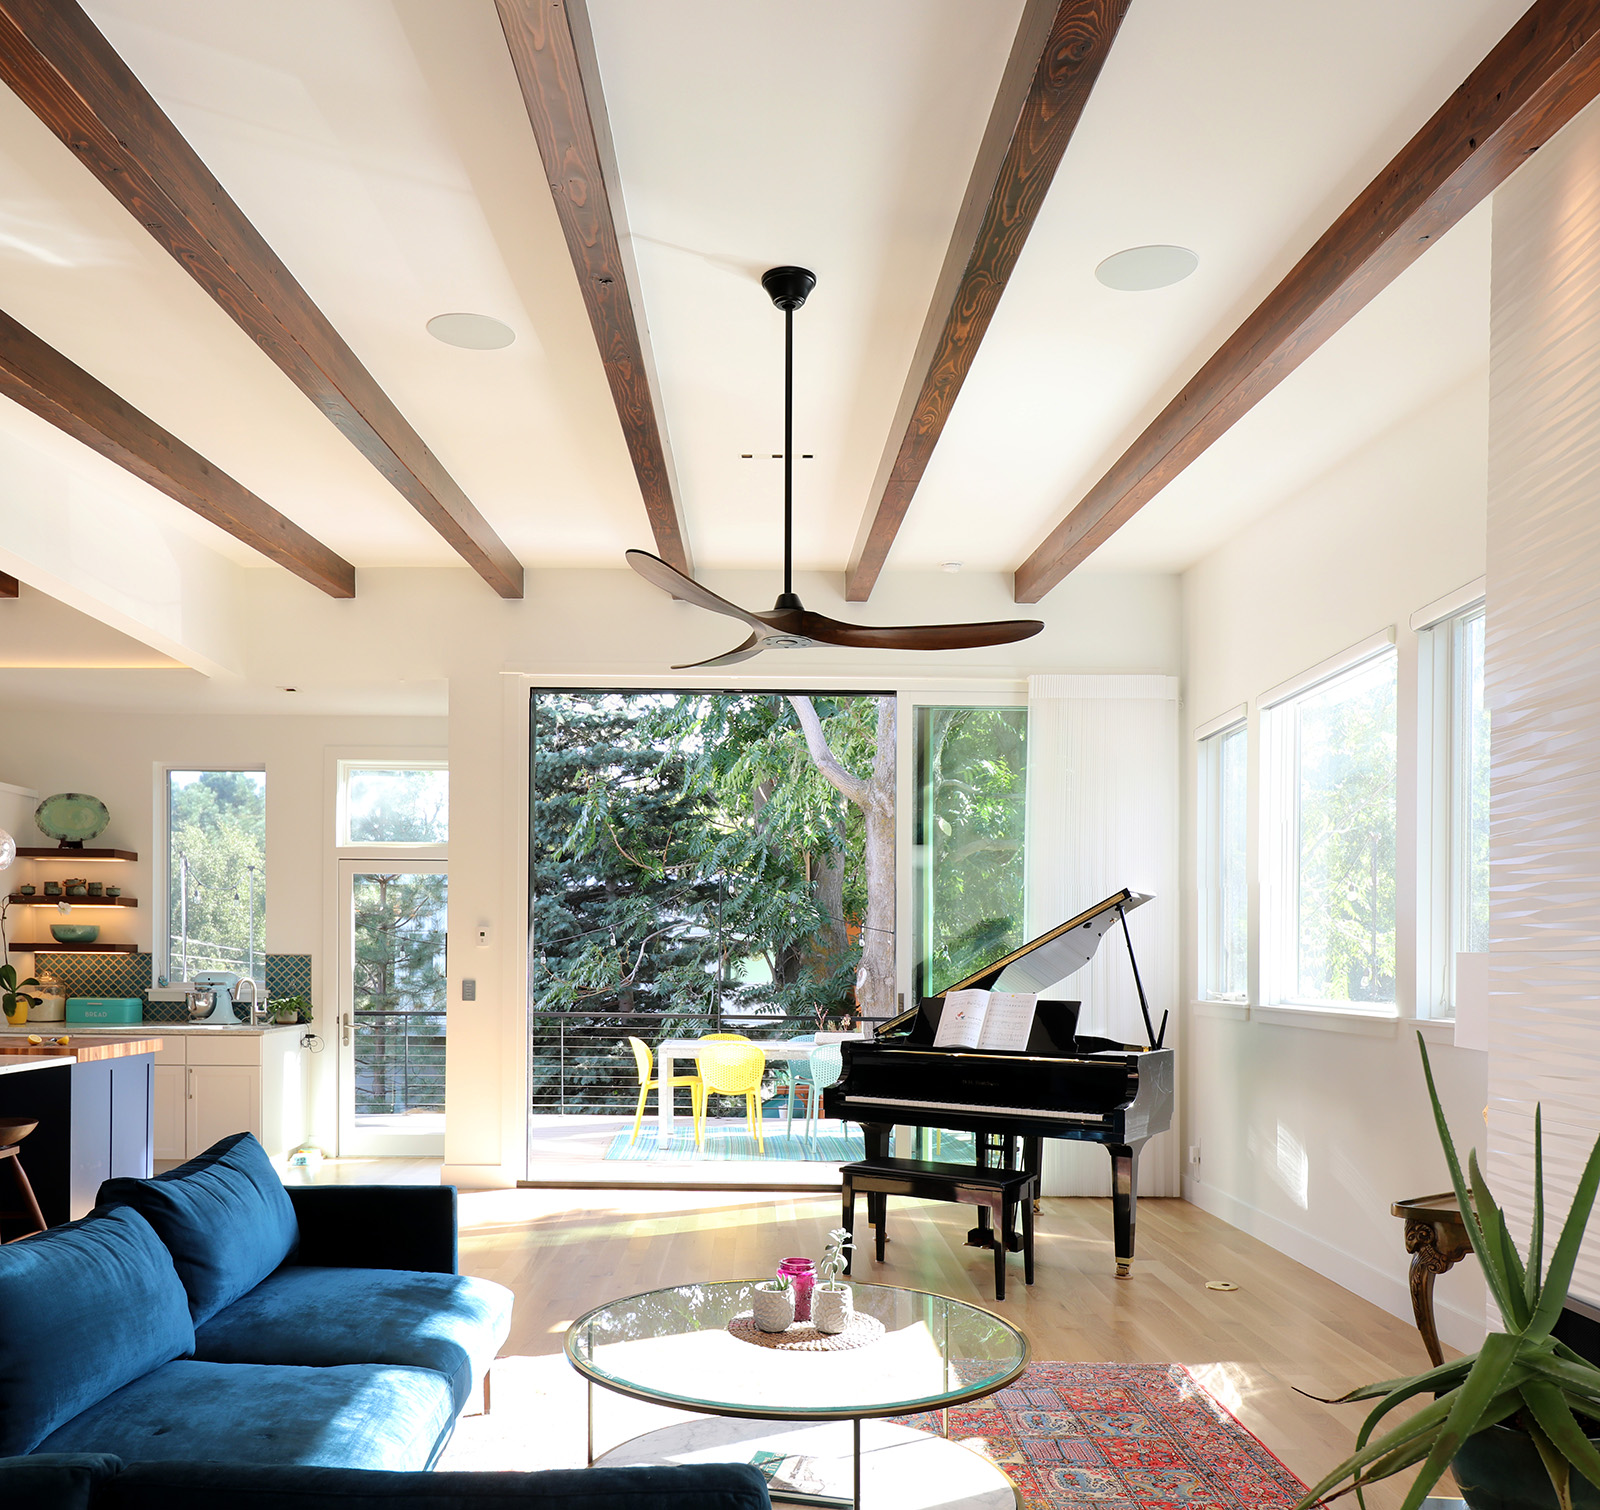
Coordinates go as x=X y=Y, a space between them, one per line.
x=1145 y=267
x=474 y=332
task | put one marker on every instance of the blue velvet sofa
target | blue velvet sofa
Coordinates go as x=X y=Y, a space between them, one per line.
x=208 y=1337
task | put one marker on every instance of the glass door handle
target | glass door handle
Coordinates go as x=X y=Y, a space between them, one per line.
x=346 y=1029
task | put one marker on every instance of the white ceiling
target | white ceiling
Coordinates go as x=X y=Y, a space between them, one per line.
x=382 y=147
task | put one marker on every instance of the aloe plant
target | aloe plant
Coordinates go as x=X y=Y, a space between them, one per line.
x=1521 y=1376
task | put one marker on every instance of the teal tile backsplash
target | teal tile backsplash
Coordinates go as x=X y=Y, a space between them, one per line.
x=130 y=975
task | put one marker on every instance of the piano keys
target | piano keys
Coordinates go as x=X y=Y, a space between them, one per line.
x=1065 y=1085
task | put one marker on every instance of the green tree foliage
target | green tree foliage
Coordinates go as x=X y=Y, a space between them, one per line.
x=400 y=992
x=686 y=858
x=218 y=823
x=972 y=781
x=1348 y=777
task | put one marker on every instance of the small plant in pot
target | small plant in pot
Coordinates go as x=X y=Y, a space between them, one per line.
x=285 y=1010
x=1518 y=1419
x=773 y=1304
x=16 y=1002
x=832 y=1302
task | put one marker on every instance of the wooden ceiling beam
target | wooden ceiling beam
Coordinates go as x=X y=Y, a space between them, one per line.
x=1060 y=48
x=552 y=50
x=57 y=62
x=9 y=586
x=40 y=378
x=1537 y=77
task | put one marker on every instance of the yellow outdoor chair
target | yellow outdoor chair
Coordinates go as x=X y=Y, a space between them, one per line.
x=645 y=1061
x=729 y=1067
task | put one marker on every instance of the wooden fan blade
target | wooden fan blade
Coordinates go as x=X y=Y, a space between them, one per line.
x=669 y=579
x=743 y=652
x=816 y=626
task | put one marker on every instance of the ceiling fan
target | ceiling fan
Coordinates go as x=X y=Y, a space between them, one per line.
x=789 y=625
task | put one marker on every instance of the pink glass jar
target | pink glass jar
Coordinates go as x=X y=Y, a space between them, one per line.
x=802 y=1273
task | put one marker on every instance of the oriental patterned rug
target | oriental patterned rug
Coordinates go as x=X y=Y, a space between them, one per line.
x=1070 y=1436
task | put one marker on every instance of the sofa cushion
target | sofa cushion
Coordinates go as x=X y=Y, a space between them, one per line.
x=224 y=1216
x=84 y=1308
x=48 y=1482
x=208 y=1486
x=366 y=1416
x=323 y=1317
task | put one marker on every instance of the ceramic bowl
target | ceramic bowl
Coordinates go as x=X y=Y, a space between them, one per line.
x=75 y=933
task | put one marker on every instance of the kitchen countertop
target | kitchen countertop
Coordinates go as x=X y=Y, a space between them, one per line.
x=23 y=1055
x=166 y=1029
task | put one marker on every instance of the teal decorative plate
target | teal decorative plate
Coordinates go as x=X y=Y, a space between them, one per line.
x=72 y=817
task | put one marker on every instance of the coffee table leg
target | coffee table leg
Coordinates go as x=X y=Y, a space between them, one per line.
x=591 y=1423
x=856 y=1497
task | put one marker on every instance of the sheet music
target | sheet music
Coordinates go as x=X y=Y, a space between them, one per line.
x=961 y=1023
x=1008 y=1021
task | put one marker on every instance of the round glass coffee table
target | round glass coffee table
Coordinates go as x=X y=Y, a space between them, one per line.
x=672 y=1347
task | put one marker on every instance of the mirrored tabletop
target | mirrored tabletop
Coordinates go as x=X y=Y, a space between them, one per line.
x=672 y=1347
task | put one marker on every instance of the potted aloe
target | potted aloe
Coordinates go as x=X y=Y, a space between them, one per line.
x=1517 y=1419
x=772 y=1304
x=832 y=1302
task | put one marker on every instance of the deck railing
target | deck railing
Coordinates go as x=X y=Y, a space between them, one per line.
x=399 y=1062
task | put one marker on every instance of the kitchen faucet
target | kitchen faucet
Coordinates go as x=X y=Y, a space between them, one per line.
x=255 y=998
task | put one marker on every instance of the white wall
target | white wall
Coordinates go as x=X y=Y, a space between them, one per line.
x=1308 y=1131
x=1542 y=677
x=119 y=758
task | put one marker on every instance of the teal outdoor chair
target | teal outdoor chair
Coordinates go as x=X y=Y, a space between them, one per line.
x=809 y=1081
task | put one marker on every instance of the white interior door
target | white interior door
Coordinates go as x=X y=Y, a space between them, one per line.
x=392 y=999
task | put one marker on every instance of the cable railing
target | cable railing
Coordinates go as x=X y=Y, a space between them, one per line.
x=399 y=1062
x=580 y=1063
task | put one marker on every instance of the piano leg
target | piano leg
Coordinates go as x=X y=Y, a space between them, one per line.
x=1124 y=1201
x=875 y=1139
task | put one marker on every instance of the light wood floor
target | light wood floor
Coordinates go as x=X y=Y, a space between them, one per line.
x=563 y=1252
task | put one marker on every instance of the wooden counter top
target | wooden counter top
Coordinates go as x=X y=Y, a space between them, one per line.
x=81 y=1050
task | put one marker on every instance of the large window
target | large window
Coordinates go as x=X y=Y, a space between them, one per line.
x=1329 y=905
x=1224 y=894
x=1453 y=800
x=216 y=872
x=970 y=830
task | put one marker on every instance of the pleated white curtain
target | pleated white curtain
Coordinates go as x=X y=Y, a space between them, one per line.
x=1103 y=815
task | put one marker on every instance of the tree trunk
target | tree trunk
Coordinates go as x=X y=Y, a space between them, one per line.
x=875 y=979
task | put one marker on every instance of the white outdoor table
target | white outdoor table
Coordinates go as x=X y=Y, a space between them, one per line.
x=670 y=1050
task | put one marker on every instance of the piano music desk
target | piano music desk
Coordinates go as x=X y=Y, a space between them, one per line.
x=999 y=1191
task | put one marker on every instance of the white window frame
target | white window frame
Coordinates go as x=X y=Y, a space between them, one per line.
x=1441 y=798
x=1209 y=739
x=342 y=842
x=1279 y=847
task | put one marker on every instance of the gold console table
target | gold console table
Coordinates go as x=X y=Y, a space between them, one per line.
x=1437 y=1240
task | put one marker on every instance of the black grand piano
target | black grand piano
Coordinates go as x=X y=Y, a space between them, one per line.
x=1088 y=1090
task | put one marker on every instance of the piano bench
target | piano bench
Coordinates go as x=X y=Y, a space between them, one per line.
x=1000 y=1191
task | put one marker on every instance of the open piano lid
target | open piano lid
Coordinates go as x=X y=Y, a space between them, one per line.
x=1053 y=956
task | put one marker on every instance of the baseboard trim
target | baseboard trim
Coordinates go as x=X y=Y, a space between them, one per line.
x=1459 y=1327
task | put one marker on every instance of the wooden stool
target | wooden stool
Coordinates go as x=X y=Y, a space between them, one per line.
x=11 y=1134
x=1001 y=1191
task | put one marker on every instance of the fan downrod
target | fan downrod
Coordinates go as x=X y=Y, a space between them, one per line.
x=788 y=286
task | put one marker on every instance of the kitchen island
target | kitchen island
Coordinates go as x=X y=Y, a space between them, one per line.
x=94 y=1101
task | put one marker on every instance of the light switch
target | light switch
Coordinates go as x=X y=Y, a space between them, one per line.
x=469 y=990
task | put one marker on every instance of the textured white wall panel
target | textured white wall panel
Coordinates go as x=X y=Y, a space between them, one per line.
x=1103 y=814
x=1542 y=674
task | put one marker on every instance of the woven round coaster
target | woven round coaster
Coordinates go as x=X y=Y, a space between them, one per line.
x=802 y=1337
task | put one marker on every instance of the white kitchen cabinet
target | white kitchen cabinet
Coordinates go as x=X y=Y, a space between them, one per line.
x=212 y=1084
x=171 y=1111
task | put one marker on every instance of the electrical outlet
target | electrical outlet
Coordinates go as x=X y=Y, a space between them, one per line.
x=1194 y=1153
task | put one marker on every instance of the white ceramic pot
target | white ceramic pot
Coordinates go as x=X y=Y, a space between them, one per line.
x=832 y=1309
x=773 y=1309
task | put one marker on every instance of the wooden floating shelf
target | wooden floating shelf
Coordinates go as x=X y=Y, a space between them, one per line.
x=40 y=900
x=38 y=852
x=54 y=948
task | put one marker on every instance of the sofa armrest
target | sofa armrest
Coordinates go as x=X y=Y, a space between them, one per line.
x=376 y=1226
x=205 y=1486
x=54 y=1480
